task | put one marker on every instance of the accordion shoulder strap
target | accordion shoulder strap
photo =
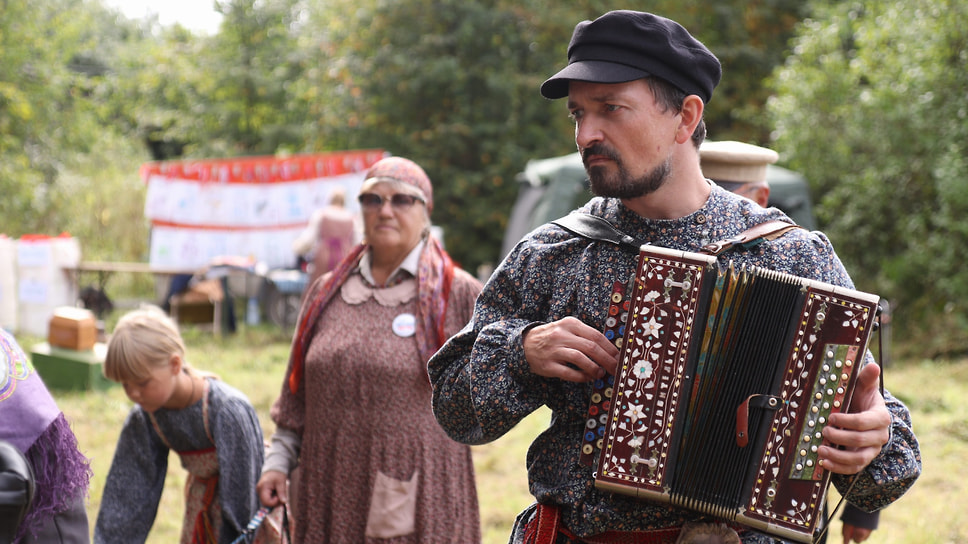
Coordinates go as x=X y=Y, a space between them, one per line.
x=597 y=228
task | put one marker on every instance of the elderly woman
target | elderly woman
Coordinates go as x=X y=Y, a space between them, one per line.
x=354 y=412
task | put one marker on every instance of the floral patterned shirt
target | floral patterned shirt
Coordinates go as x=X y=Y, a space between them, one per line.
x=483 y=385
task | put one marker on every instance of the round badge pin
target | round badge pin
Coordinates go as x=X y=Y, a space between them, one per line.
x=404 y=325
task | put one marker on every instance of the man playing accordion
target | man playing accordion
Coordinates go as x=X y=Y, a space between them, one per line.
x=636 y=86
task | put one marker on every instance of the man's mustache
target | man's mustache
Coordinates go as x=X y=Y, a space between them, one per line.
x=600 y=150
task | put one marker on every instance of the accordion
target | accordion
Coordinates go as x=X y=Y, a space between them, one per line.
x=725 y=382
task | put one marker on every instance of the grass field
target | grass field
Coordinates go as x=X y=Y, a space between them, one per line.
x=254 y=359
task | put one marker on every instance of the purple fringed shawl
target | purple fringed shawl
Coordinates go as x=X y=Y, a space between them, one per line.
x=32 y=422
x=25 y=404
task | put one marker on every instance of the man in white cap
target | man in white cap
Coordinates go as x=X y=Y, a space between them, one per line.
x=738 y=167
x=636 y=86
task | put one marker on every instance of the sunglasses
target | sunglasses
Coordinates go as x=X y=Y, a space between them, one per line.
x=399 y=201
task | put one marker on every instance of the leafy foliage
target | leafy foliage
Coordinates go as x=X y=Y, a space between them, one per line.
x=61 y=164
x=451 y=85
x=247 y=69
x=871 y=107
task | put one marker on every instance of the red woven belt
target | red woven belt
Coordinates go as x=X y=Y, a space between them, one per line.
x=545 y=527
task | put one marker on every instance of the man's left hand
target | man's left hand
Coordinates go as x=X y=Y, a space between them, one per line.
x=862 y=431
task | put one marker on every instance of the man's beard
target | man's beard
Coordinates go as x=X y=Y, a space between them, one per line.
x=621 y=184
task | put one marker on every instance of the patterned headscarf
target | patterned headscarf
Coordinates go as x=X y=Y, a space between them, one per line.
x=403 y=170
x=435 y=272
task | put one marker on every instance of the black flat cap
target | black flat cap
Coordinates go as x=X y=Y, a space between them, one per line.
x=623 y=46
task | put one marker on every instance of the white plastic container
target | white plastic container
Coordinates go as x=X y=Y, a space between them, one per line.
x=8 y=283
x=44 y=279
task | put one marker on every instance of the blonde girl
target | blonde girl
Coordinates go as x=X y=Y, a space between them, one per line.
x=212 y=427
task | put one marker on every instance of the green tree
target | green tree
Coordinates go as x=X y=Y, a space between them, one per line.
x=186 y=95
x=54 y=144
x=249 y=67
x=750 y=38
x=35 y=90
x=451 y=85
x=454 y=85
x=871 y=108
x=156 y=90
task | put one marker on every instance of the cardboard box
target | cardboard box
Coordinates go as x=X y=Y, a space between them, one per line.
x=72 y=328
x=68 y=369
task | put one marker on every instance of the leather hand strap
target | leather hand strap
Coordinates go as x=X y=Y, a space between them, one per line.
x=770 y=230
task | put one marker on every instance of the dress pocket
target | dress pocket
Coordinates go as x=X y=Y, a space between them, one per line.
x=393 y=507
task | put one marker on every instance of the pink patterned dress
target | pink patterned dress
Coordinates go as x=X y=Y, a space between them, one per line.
x=375 y=467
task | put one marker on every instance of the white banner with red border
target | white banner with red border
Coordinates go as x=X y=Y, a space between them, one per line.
x=251 y=207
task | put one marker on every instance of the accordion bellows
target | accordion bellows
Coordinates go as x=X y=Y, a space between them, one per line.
x=726 y=380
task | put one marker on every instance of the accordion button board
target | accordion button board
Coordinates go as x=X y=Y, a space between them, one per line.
x=602 y=389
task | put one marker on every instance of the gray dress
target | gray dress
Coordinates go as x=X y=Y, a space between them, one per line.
x=137 y=476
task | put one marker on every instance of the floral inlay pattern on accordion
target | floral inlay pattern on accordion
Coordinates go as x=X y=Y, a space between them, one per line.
x=817 y=382
x=653 y=361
